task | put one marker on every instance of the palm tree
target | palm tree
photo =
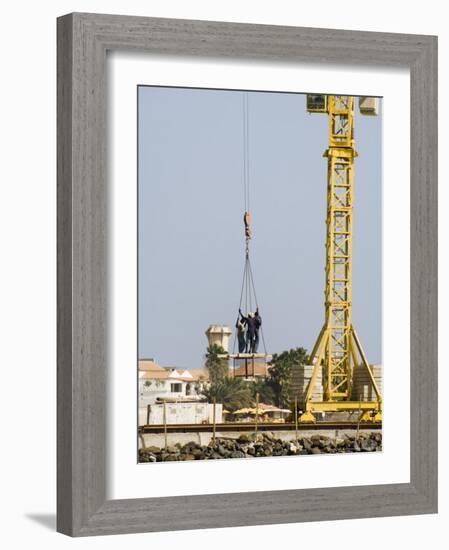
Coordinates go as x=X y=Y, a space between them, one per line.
x=281 y=373
x=265 y=391
x=233 y=393
x=217 y=367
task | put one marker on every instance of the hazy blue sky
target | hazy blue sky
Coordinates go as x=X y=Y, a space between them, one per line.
x=191 y=240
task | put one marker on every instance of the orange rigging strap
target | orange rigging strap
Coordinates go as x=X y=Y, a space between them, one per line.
x=247 y=221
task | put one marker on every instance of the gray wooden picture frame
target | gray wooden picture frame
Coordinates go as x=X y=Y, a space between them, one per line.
x=83 y=40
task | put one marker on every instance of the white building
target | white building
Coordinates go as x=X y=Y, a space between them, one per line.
x=159 y=383
x=181 y=413
x=176 y=386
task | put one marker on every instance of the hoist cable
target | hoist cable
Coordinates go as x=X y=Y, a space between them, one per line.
x=248 y=289
x=257 y=304
x=247 y=286
x=247 y=151
x=244 y=128
x=240 y=303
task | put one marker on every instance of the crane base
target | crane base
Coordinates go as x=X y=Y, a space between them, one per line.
x=371 y=411
x=307 y=417
x=371 y=416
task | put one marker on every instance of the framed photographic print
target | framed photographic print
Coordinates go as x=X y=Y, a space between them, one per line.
x=241 y=197
x=246 y=274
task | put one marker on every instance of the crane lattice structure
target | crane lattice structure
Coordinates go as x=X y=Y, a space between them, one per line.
x=338 y=349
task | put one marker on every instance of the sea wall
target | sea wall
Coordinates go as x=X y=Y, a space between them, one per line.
x=261 y=445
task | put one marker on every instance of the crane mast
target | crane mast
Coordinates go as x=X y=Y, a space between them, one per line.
x=338 y=349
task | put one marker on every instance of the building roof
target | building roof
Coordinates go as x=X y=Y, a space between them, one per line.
x=150 y=370
x=199 y=374
x=149 y=364
x=184 y=376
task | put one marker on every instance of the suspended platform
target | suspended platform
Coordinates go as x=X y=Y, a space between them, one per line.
x=246 y=355
x=249 y=365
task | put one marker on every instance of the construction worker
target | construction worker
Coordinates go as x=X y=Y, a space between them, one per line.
x=250 y=323
x=258 y=323
x=240 y=326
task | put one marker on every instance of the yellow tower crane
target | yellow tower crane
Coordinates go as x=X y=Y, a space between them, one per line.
x=338 y=349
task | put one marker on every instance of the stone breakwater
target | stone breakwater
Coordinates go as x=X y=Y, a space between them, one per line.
x=263 y=445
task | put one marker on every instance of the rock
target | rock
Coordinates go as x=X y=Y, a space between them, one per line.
x=244 y=438
x=307 y=445
x=315 y=450
x=238 y=454
x=151 y=449
x=221 y=450
x=368 y=445
x=356 y=447
x=172 y=449
x=147 y=457
x=187 y=457
x=198 y=454
x=189 y=447
x=171 y=458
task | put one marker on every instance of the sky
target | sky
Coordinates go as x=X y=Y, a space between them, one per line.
x=190 y=228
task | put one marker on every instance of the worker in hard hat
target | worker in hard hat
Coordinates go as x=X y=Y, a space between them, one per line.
x=250 y=323
x=240 y=326
x=258 y=323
